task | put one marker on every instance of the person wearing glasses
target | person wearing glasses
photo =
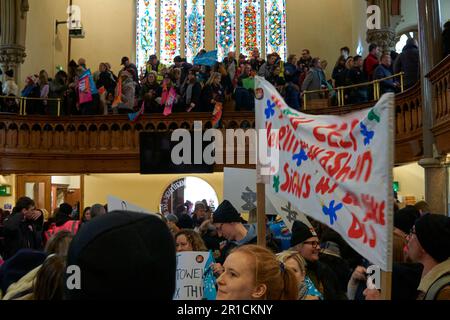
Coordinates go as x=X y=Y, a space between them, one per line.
x=306 y=242
x=429 y=245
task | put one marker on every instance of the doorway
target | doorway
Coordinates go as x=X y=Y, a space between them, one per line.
x=49 y=192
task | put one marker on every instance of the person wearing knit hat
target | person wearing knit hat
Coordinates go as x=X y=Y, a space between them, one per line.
x=306 y=242
x=429 y=245
x=123 y=255
x=228 y=223
x=404 y=219
x=304 y=239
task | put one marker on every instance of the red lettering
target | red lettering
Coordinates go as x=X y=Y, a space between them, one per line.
x=374 y=209
x=314 y=152
x=358 y=230
x=351 y=200
x=324 y=160
x=294 y=184
x=297 y=121
x=323 y=186
x=319 y=136
x=337 y=163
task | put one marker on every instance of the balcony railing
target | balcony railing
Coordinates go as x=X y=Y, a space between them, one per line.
x=110 y=144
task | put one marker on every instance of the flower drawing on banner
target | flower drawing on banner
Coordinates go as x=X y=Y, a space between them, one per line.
x=300 y=157
x=270 y=110
x=250 y=198
x=332 y=210
x=373 y=116
x=276 y=183
x=292 y=215
x=369 y=135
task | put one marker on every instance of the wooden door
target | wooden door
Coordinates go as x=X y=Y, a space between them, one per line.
x=38 y=188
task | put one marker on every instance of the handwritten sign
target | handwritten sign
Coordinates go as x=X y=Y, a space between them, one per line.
x=117 y=204
x=194 y=277
x=337 y=169
x=240 y=190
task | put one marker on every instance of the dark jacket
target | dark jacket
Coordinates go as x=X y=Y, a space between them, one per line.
x=409 y=63
x=340 y=76
x=446 y=41
x=209 y=93
x=195 y=95
x=325 y=280
x=22 y=234
x=386 y=85
x=244 y=99
x=359 y=94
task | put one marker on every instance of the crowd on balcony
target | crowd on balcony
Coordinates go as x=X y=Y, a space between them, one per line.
x=184 y=87
x=309 y=263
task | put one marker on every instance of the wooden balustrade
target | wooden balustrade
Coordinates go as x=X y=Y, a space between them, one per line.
x=89 y=144
x=440 y=80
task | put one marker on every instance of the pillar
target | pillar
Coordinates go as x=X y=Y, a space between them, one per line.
x=430 y=45
x=385 y=36
x=12 y=34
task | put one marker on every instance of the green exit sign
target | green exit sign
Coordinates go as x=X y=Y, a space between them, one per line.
x=5 y=191
x=396 y=186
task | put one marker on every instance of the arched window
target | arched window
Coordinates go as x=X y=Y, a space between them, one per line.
x=403 y=37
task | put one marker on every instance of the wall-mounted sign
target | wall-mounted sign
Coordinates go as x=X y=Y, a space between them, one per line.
x=166 y=200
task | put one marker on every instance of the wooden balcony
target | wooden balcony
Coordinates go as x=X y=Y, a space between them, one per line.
x=440 y=80
x=110 y=144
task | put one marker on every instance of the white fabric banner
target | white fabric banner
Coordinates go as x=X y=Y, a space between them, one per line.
x=336 y=169
x=240 y=190
x=194 y=276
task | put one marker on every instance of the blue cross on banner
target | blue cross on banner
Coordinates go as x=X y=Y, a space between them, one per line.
x=206 y=59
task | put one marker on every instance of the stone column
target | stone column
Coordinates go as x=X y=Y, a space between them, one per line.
x=12 y=34
x=385 y=36
x=430 y=45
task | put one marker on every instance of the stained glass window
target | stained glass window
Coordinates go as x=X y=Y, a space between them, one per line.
x=170 y=30
x=250 y=17
x=275 y=23
x=195 y=27
x=225 y=27
x=145 y=31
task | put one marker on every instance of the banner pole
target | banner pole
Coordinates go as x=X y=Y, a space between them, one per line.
x=386 y=276
x=261 y=210
x=386 y=285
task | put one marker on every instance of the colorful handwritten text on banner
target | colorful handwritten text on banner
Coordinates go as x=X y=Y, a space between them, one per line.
x=336 y=169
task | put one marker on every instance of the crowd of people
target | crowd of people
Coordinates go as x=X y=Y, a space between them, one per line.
x=184 y=87
x=132 y=255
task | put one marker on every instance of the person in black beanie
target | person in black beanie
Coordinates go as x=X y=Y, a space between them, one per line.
x=123 y=255
x=305 y=241
x=429 y=245
x=228 y=223
x=23 y=228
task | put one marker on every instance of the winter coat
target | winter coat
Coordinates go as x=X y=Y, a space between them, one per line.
x=325 y=280
x=427 y=282
x=370 y=64
x=21 y=234
x=409 y=63
x=314 y=81
x=386 y=85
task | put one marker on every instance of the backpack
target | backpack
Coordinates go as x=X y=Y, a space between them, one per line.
x=71 y=226
x=437 y=286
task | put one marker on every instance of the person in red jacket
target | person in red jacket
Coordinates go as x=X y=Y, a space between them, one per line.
x=372 y=61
